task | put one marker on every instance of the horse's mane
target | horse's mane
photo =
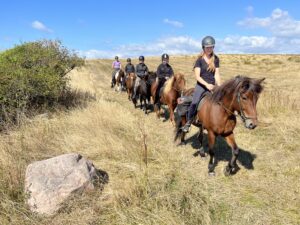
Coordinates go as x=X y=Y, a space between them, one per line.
x=236 y=84
x=170 y=83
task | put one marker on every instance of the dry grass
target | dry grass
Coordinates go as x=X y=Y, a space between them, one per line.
x=174 y=187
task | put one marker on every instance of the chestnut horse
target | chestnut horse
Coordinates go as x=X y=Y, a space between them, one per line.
x=172 y=90
x=216 y=115
x=130 y=79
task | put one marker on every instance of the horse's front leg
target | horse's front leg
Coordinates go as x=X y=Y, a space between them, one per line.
x=200 y=139
x=141 y=102
x=145 y=105
x=232 y=166
x=172 y=116
x=211 y=143
x=128 y=93
x=183 y=122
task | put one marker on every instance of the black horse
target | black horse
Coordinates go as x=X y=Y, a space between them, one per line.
x=144 y=91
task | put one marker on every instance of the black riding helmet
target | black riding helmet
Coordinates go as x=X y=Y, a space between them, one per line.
x=141 y=58
x=129 y=60
x=164 y=56
x=208 y=41
x=116 y=57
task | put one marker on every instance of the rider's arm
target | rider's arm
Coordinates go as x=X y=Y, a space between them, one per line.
x=217 y=77
x=112 y=65
x=172 y=72
x=197 y=71
x=147 y=70
x=158 y=72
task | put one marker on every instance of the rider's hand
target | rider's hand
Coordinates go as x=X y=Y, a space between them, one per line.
x=180 y=100
x=210 y=87
x=167 y=78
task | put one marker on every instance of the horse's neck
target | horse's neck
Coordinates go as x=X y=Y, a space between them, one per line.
x=176 y=88
x=229 y=102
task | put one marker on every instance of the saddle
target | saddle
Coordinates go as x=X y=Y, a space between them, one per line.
x=183 y=108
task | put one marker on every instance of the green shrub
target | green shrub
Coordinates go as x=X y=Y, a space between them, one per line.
x=33 y=74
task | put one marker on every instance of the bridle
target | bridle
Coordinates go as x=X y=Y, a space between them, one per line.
x=241 y=111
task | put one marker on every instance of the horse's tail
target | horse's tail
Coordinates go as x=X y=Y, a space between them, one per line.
x=169 y=85
x=178 y=125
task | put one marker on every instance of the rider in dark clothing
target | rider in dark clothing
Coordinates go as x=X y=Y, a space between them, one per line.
x=141 y=71
x=164 y=72
x=207 y=75
x=129 y=68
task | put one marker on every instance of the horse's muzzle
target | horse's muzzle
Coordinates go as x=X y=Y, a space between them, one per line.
x=249 y=123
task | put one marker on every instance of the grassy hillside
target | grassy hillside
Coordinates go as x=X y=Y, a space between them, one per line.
x=174 y=187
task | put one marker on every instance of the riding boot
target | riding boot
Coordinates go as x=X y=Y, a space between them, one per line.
x=190 y=117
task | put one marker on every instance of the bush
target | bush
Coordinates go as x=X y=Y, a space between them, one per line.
x=33 y=74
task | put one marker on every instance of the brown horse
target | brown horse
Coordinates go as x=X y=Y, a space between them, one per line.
x=217 y=116
x=130 y=79
x=172 y=90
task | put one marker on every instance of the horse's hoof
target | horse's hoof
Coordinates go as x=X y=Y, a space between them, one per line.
x=196 y=154
x=227 y=171
x=235 y=169
x=211 y=174
x=182 y=143
x=202 y=153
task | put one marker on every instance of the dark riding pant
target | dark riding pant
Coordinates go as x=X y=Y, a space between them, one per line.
x=199 y=91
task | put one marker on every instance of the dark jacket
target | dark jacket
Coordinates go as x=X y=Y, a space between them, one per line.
x=129 y=68
x=141 y=70
x=164 y=70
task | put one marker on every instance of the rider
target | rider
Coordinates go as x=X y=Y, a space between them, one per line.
x=129 y=68
x=164 y=72
x=207 y=74
x=141 y=71
x=116 y=65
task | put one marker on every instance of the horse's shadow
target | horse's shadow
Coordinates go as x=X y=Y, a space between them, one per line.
x=223 y=151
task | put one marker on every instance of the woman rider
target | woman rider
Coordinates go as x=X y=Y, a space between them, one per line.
x=207 y=74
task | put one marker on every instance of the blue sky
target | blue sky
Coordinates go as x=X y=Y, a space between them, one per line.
x=102 y=29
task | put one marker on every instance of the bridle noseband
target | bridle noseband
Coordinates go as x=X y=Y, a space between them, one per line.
x=241 y=113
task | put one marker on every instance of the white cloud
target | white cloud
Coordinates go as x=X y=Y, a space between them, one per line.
x=250 y=44
x=279 y=23
x=40 y=26
x=285 y=39
x=187 y=45
x=173 y=23
x=172 y=45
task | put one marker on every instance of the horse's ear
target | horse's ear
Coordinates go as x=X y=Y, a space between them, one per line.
x=260 y=80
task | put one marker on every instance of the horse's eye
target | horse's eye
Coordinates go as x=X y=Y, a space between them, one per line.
x=244 y=97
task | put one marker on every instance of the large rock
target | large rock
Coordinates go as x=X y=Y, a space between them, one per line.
x=49 y=182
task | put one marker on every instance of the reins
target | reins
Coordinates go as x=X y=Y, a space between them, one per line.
x=241 y=113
